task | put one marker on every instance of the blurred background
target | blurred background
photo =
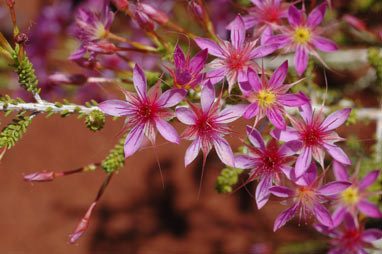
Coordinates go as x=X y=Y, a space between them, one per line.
x=137 y=215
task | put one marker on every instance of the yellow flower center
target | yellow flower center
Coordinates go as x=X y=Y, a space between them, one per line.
x=302 y=35
x=350 y=196
x=265 y=98
x=101 y=32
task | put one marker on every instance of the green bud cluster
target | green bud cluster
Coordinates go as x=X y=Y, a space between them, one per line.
x=95 y=120
x=14 y=131
x=375 y=59
x=115 y=159
x=228 y=177
x=25 y=71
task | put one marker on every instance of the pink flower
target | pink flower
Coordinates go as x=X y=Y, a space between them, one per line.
x=207 y=126
x=316 y=134
x=307 y=197
x=350 y=238
x=264 y=14
x=269 y=97
x=145 y=112
x=356 y=196
x=187 y=71
x=267 y=163
x=303 y=36
x=235 y=57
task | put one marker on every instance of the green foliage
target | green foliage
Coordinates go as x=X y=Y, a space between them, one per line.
x=14 y=131
x=375 y=59
x=115 y=159
x=95 y=120
x=228 y=177
x=25 y=71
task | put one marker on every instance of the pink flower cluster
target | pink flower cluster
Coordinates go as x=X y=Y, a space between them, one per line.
x=285 y=166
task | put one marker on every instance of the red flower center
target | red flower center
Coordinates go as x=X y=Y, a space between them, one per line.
x=147 y=110
x=236 y=61
x=311 y=136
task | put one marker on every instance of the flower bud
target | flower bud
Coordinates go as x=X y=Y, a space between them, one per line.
x=43 y=176
x=82 y=225
x=68 y=79
x=156 y=15
x=354 y=22
x=101 y=47
x=144 y=21
x=197 y=10
x=95 y=120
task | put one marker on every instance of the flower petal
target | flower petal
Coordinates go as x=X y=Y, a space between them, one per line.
x=114 y=107
x=185 y=115
x=262 y=191
x=334 y=188
x=237 y=32
x=369 y=209
x=134 y=140
x=369 y=179
x=324 y=44
x=371 y=235
x=276 y=118
x=337 y=154
x=167 y=131
x=244 y=162
x=216 y=75
x=303 y=161
x=231 y=113
x=308 y=177
x=198 y=61
x=255 y=138
x=290 y=148
x=306 y=112
x=254 y=80
x=263 y=50
x=294 y=16
x=336 y=119
x=292 y=100
x=213 y=48
x=172 y=97
x=301 y=60
x=207 y=97
x=139 y=80
x=278 y=77
x=322 y=215
x=179 y=57
x=340 y=171
x=224 y=151
x=282 y=192
x=284 y=217
x=286 y=135
x=192 y=152
x=338 y=215
x=251 y=111
x=316 y=16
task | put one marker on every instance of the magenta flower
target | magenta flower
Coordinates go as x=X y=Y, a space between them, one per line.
x=91 y=27
x=145 y=112
x=187 y=71
x=303 y=36
x=269 y=97
x=350 y=238
x=264 y=14
x=316 y=134
x=207 y=126
x=307 y=198
x=267 y=163
x=235 y=57
x=355 y=197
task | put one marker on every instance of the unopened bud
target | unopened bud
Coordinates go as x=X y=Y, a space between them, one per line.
x=156 y=15
x=354 y=22
x=69 y=79
x=144 y=21
x=197 y=10
x=21 y=38
x=95 y=120
x=43 y=176
x=82 y=225
x=101 y=47
x=10 y=3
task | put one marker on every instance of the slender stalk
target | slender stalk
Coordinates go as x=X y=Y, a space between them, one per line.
x=132 y=43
